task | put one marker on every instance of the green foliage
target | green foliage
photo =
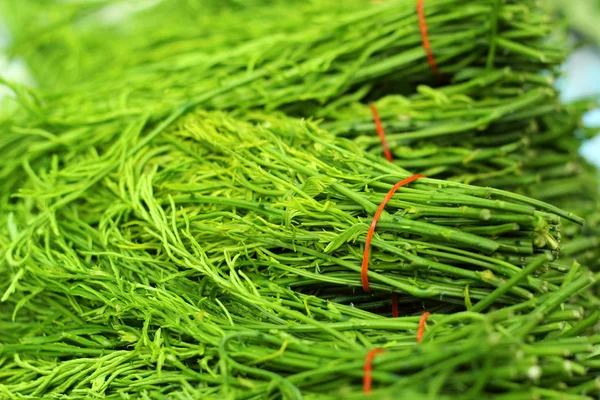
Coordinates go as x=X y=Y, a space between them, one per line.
x=167 y=231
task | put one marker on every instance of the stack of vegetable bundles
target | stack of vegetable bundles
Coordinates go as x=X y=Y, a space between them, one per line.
x=205 y=209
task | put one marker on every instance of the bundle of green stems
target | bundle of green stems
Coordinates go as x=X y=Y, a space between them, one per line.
x=504 y=129
x=299 y=70
x=227 y=253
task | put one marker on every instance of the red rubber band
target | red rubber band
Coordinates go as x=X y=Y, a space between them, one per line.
x=426 y=44
x=422 y=326
x=388 y=156
x=368 y=369
x=365 y=262
x=381 y=133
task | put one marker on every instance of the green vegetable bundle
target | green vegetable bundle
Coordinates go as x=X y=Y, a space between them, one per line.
x=348 y=43
x=221 y=258
x=502 y=129
x=224 y=352
x=298 y=71
x=499 y=128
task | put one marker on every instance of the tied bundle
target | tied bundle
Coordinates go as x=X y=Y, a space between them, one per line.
x=195 y=254
x=503 y=129
x=379 y=48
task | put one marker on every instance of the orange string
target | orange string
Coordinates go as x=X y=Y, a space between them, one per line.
x=422 y=326
x=426 y=44
x=388 y=196
x=368 y=369
x=388 y=156
x=381 y=133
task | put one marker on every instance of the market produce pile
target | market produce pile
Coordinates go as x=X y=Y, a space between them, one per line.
x=195 y=211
